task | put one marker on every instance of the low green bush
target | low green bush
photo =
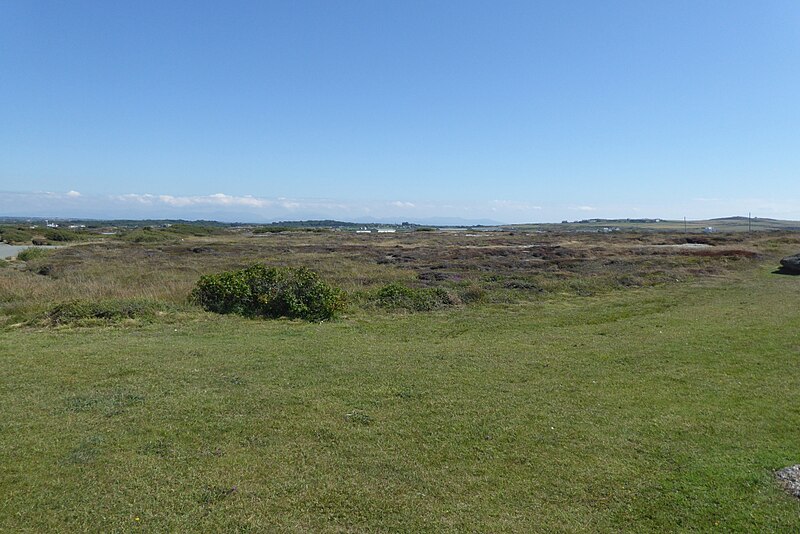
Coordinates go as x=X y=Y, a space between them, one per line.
x=197 y=230
x=261 y=291
x=61 y=235
x=15 y=236
x=270 y=229
x=396 y=295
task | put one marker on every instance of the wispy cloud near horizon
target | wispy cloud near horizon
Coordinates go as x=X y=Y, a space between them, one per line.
x=219 y=206
x=248 y=208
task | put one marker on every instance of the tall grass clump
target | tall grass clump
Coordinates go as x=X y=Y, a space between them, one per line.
x=271 y=292
x=32 y=254
x=396 y=295
x=82 y=311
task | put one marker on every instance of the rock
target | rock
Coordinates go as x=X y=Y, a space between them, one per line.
x=789 y=478
x=791 y=264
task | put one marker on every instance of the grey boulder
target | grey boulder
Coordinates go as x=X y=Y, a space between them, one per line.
x=789 y=478
x=791 y=264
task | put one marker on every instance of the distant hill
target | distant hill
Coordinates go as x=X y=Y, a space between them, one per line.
x=371 y=221
x=721 y=224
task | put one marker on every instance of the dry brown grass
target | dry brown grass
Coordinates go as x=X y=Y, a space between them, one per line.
x=506 y=266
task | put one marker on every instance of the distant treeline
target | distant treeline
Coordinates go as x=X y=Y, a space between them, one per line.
x=329 y=223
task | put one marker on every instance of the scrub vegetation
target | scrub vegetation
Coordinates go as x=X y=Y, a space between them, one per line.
x=517 y=380
x=269 y=292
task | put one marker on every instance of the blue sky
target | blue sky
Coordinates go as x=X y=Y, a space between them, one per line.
x=512 y=111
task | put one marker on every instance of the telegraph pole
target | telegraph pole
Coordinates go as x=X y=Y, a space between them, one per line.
x=685 y=230
x=748 y=222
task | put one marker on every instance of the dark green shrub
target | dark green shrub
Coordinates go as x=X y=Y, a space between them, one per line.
x=261 y=291
x=15 y=236
x=197 y=230
x=397 y=295
x=270 y=229
x=61 y=235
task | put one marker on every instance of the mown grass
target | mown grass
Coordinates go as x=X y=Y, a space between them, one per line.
x=640 y=409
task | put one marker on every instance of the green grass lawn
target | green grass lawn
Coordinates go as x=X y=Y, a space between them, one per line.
x=657 y=410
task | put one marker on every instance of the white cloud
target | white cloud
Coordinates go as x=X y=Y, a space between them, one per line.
x=217 y=199
x=133 y=197
x=225 y=201
x=225 y=206
x=175 y=201
x=515 y=205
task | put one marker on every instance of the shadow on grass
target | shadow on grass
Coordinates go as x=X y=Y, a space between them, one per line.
x=784 y=270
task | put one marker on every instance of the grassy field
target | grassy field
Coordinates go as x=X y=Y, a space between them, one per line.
x=594 y=383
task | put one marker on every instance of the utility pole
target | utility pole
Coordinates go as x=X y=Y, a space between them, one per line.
x=748 y=222
x=685 y=230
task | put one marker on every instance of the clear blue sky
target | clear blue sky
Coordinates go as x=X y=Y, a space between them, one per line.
x=512 y=111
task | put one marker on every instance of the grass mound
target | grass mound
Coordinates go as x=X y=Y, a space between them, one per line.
x=148 y=235
x=399 y=296
x=78 y=312
x=32 y=253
